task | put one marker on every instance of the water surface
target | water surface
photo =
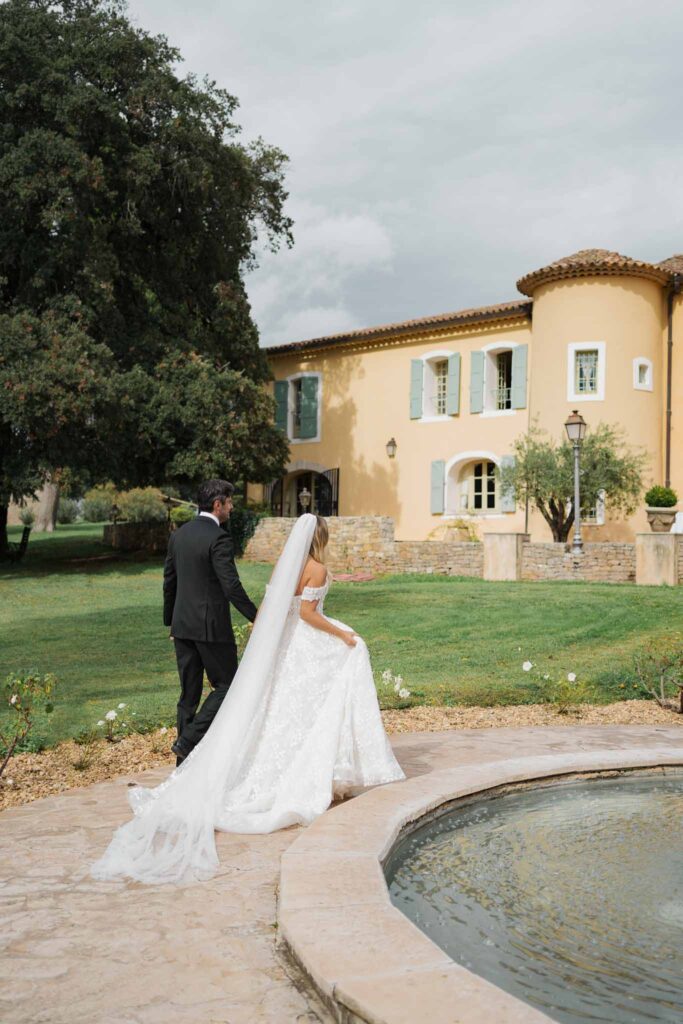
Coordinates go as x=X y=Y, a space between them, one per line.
x=569 y=897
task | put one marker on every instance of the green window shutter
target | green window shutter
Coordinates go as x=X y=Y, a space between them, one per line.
x=453 y=385
x=508 y=502
x=477 y=382
x=309 y=406
x=518 y=389
x=416 y=373
x=281 y=393
x=438 y=479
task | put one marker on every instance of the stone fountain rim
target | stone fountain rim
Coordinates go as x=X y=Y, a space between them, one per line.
x=365 y=959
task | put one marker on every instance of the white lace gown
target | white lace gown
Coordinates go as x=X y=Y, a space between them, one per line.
x=321 y=733
x=300 y=724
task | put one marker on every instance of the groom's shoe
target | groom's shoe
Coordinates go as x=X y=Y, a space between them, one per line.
x=180 y=751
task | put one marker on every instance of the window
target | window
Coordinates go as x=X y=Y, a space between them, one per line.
x=440 y=377
x=498 y=379
x=295 y=398
x=586 y=371
x=503 y=395
x=642 y=374
x=595 y=515
x=435 y=386
x=478 y=488
x=297 y=402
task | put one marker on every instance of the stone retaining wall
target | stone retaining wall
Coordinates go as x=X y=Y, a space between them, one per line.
x=367 y=543
x=603 y=563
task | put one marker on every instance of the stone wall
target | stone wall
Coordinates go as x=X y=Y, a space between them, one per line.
x=367 y=543
x=600 y=563
x=465 y=558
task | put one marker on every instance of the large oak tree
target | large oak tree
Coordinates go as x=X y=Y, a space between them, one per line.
x=129 y=212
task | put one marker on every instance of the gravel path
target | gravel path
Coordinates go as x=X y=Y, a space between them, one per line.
x=68 y=766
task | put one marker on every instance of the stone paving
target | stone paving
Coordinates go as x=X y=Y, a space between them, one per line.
x=77 y=951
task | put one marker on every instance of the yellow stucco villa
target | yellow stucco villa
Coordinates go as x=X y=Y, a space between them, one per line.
x=410 y=420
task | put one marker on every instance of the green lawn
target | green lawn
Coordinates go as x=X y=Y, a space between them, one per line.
x=96 y=624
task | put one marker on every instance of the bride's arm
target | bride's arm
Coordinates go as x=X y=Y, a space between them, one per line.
x=312 y=617
x=314 y=576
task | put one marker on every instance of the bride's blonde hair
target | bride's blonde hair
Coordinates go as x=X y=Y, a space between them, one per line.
x=320 y=539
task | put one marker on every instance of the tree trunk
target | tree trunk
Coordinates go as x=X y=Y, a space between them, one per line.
x=4 y=544
x=47 y=506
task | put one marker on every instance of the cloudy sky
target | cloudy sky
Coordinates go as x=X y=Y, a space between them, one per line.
x=440 y=150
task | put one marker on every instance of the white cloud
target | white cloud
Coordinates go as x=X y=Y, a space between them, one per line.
x=440 y=151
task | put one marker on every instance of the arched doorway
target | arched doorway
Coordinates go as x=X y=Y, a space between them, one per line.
x=323 y=488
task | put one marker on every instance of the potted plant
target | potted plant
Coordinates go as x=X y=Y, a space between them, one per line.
x=661 y=508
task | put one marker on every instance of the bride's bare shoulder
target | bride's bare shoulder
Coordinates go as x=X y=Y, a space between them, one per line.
x=314 y=574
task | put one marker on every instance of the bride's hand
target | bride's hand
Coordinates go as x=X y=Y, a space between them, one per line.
x=349 y=639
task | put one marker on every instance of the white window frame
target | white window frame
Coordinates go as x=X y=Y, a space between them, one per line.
x=428 y=360
x=637 y=363
x=575 y=347
x=599 y=518
x=290 y=407
x=491 y=372
x=452 y=492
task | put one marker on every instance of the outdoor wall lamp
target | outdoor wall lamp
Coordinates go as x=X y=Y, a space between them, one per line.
x=391 y=447
x=304 y=498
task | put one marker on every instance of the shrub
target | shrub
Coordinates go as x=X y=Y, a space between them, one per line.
x=97 y=503
x=182 y=514
x=142 y=505
x=243 y=521
x=660 y=497
x=67 y=511
x=24 y=694
x=659 y=669
x=27 y=517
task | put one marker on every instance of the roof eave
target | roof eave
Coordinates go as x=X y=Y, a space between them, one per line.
x=521 y=312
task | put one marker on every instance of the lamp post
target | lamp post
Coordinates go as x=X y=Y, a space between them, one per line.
x=576 y=431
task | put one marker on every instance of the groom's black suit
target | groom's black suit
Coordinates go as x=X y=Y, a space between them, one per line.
x=200 y=581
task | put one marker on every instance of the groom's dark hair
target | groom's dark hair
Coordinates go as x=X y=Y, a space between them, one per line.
x=211 y=490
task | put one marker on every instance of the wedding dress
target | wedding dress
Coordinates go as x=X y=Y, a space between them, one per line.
x=299 y=725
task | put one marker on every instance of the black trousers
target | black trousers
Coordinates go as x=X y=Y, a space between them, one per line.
x=194 y=658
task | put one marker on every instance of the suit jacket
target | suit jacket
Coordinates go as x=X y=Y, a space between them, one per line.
x=200 y=581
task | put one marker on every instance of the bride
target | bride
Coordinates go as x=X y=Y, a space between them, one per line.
x=299 y=725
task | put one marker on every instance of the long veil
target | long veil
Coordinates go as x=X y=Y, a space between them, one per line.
x=171 y=837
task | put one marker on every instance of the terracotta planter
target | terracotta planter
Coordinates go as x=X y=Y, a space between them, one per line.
x=661 y=519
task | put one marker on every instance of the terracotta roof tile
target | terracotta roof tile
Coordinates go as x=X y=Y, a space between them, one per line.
x=674 y=264
x=501 y=311
x=588 y=262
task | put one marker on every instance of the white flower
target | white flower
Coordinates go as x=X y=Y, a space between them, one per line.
x=527 y=666
x=14 y=698
x=404 y=694
x=101 y=721
x=571 y=676
x=163 y=730
x=546 y=676
x=121 y=706
x=125 y=725
x=387 y=675
x=110 y=716
x=399 y=681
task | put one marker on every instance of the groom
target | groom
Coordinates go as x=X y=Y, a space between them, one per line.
x=200 y=582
